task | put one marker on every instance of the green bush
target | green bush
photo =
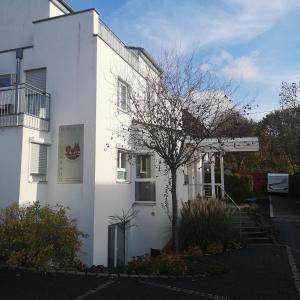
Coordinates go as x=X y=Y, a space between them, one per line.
x=295 y=184
x=238 y=187
x=204 y=223
x=40 y=237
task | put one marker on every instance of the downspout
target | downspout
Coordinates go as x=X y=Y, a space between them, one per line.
x=19 y=57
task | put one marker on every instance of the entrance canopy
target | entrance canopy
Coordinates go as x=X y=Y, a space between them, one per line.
x=244 y=144
x=211 y=156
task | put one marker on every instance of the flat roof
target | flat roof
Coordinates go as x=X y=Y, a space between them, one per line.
x=66 y=5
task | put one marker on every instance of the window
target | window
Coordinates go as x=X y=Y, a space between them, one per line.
x=143 y=166
x=38 y=162
x=145 y=189
x=122 y=166
x=5 y=80
x=123 y=99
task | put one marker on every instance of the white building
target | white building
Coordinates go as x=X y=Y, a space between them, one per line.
x=59 y=98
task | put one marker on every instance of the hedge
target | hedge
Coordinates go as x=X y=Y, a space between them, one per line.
x=238 y=187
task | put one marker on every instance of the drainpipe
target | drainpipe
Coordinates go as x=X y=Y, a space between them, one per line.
x=19 y=57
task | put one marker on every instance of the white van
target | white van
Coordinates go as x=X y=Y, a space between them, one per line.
x=278 y=183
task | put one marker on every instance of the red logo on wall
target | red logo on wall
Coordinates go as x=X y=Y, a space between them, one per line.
x=72 y=153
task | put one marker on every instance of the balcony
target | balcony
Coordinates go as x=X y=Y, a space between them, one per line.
x=24 y=105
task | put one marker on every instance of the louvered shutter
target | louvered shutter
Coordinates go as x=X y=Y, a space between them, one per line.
x=38 y=164
x=37 y=78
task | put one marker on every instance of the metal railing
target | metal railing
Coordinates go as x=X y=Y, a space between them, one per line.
x=232 y=207
x=203 y=190
x=117 y=45
x=24 y=105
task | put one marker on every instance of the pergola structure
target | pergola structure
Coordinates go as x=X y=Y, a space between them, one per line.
x=210 y=157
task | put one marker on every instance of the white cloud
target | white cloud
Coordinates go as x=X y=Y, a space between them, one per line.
x=242 y=68
x=194 y=24
x=205 y=67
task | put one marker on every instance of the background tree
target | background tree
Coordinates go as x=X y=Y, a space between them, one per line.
x=281 y=133
x=172 y=113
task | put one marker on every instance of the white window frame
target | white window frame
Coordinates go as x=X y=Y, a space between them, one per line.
x=127 y=168
x=121 y=84
x=150 y=179
x=38 y=178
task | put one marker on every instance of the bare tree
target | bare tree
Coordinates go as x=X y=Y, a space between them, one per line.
x=289 y=95
x=173 y=112
x=123 y=221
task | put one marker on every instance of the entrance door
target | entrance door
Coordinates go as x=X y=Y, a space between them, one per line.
x=116 y=245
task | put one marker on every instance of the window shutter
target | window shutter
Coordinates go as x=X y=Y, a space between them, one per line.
x=38 y=164
x=37 y=78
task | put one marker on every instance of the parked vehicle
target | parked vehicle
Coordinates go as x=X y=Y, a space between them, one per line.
x=278 y=183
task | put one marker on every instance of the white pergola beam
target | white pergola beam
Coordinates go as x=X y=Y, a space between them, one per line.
x=245 y=144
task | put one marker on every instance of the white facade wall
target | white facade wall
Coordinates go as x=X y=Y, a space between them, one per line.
x=67 y=48
x=16 y=18
x=54 y=11
x=10 y=161
x=82 y=73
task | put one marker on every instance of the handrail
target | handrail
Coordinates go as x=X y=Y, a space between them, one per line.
x=22 y=86
x=236 y=206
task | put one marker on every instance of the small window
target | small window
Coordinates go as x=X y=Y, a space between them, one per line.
x=5 y=80
x=38 y=162
x=123 y=166
x=143 y=166
x=123 y=99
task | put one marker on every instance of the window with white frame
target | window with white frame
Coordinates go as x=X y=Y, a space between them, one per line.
x=145 y=189
x=123 y=96
x=123 y=166
x=38 y=162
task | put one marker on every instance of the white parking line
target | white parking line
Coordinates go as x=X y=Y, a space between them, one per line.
x=186 y=291
x=271 y=207
x=294 y=269
x=93 y=291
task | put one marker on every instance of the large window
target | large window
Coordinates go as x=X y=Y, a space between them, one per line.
x=38 y=162
x=123 y=96
x=123 y=166
x=145 y=179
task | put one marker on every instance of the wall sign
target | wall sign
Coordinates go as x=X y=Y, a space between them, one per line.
x=70 y=154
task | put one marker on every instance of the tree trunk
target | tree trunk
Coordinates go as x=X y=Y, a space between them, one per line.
x=174 y=212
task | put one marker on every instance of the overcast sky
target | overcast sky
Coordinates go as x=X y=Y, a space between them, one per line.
x=254 y=42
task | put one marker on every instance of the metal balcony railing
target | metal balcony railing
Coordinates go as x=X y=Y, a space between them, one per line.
x=24 y=105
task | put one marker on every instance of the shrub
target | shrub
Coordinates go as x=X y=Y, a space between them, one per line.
x=36 y=236
x=203 y=223
x=174 y=265
x=238 y=187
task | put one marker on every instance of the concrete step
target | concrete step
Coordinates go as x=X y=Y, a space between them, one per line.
x=254 y=234
x=258 y=240
x=244 y=224
x=249 y=228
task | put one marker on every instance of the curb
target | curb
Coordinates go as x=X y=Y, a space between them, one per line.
x=100 y=275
